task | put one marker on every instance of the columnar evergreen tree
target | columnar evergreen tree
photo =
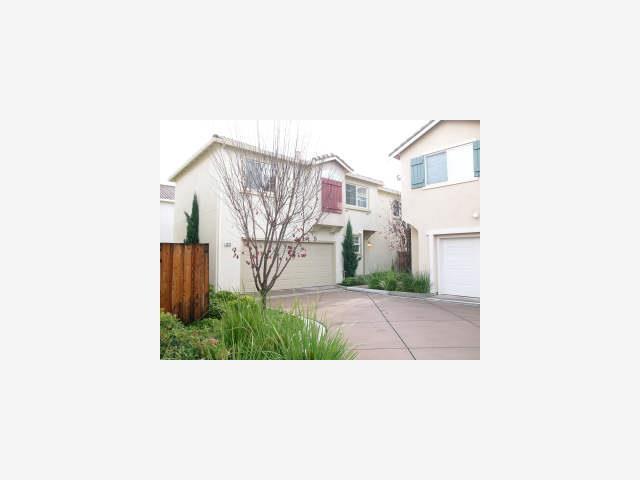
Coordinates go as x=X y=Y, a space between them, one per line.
x=350 y=258
x=192 y=223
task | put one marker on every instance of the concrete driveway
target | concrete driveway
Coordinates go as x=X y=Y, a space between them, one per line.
x=383 y=327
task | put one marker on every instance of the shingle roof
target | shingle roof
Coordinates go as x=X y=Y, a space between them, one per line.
x=167 y=192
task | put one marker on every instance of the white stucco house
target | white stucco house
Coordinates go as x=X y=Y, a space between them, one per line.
x=346 y=196
x=440 y=165
x=167 y=201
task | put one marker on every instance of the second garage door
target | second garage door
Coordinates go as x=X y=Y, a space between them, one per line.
x=459 y=266
x=316 y=269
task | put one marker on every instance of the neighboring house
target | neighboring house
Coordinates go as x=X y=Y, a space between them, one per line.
x=345 y=196
x=167 y=201
x=440 y=170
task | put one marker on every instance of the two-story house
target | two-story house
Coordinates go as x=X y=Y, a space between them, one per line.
x=345 y=196
x=440 y=171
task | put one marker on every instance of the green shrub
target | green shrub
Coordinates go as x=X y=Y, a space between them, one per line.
x=182 y=342
x=247 y=331
x=350 y=258
x=224 y=296
x=422 y=283
x=399 y=281
x=357 y=280
x=193 y=223
x=374 y=280
x=252 y=333
x=405 y=282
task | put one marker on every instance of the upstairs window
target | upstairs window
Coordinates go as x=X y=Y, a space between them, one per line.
x=396 y=209
x=357 y=196
x=331 y=196
x=260 y=176
x=457 y=164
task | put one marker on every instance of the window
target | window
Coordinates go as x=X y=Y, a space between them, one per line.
x=363 y=197
x=356 y=244
x=351 y=194
x=260 y=177
x=457 y=164
x=357 y=196
x=437 y=168
x=395 y=208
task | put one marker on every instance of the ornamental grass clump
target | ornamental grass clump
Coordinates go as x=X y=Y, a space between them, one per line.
x=252 y=333
x=399 y=281
x=245 y=330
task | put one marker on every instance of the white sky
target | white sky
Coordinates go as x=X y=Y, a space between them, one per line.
x=363 y=144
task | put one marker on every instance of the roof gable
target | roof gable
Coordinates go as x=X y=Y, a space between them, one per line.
x=409 y=141
x=332 y=157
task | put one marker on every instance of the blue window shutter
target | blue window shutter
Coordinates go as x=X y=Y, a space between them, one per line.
x=476 y=158
x=437 y=168
x=417 y=172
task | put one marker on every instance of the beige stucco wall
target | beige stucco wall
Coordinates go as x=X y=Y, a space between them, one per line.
x=166 y=221
x=443 y=208
x=198 y=179
x=217 y=227
x=371 y=224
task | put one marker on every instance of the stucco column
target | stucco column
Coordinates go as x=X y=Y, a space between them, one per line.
x=431 y=248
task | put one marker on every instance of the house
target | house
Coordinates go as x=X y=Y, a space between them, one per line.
x=440 y=171
x=346 y=195
x=167 y=201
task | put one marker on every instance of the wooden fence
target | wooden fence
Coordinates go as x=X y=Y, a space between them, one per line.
x=184 y=280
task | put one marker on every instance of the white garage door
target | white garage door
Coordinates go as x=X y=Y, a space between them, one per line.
x=459 y=268
x=316 y=269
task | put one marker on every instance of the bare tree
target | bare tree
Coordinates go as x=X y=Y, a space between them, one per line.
x=398 y=234
x=274 y=197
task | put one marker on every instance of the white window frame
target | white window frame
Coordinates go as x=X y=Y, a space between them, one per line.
x=358 y=243
x=358 y=197
x=264 y=164
x=428 y=186
x=393 y=213
x=359 y=189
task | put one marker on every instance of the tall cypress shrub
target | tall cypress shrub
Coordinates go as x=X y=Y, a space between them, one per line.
x=192 y=223
x=350 y=258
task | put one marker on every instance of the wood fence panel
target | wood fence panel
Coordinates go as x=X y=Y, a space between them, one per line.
x=165 y=276
x=197 y=293
x=205 y=285
x=184 y=280
x=187 y=283
x=177 y=281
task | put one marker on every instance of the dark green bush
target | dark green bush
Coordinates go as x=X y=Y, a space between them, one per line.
x=182 y=342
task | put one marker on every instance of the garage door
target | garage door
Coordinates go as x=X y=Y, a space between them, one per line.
x=459 y=268
x=316 y=269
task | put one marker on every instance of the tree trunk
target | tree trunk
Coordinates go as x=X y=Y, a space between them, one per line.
x=263 y=299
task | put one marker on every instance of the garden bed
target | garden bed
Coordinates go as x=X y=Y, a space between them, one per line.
x=238 y=328
x=391 y=281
